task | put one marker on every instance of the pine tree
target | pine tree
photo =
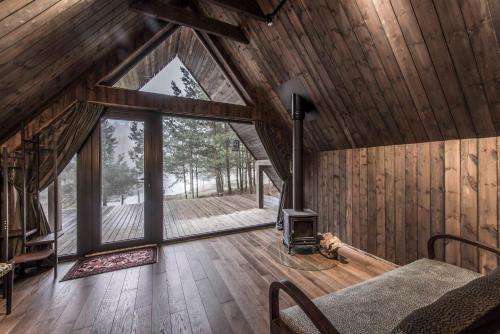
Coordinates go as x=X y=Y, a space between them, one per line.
x=118 y=178
x=194 y=148
x=108 y=141
x=136 y=153
x=108 y=146
x=177 y=91
x=191 y=87
x=228 y=158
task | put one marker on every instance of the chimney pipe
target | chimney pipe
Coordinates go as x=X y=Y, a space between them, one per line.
x=298 y=119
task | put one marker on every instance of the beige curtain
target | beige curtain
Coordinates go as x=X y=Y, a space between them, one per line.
x=67 y=134
x=280 y=163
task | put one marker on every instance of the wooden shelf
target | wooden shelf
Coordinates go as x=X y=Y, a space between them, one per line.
x=34 y=256
x=19 y=233
x=43 y=240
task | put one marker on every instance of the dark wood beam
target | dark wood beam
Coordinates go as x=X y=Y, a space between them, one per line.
x=222 y=59
x=171 y=105
x=121 y=70
x=247 y=7
x=190 y=19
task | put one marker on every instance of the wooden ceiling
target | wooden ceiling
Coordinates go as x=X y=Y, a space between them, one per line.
x=186 y=45
x=380 y=71
x=47 y=44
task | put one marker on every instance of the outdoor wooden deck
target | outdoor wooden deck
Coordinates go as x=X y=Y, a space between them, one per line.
x=181 y=218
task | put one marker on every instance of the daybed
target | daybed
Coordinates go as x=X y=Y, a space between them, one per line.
x=425 y=296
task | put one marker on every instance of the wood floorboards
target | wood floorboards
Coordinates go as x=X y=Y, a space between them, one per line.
x=216 y=285
x=181 y=218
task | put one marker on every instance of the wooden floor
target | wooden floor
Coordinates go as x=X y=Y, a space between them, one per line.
x=211 y=214
x=181 y=218
x=216 y=285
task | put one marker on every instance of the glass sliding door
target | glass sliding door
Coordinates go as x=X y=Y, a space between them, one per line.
x=123 y=195
x=68 y=209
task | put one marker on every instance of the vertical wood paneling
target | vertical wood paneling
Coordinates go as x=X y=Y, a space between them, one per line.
x=411 y=223
x=468 y=150
x=315 y=182
x=342 y=195
x=498 y=197
x=363 y=200
x=487 y=208
x=323 y=210
x=356 y=228
x=380 y=188
x=390 y=240
x=336 y=192
x=424 y=198
x=348 y=196
x=437 y=194
x=372 y=200
x=400 y=203
x=452 y=198
x=331 y=190
x=390 y=200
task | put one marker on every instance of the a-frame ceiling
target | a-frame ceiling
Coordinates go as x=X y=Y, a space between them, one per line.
x=184 y=44
x=379 y=71
x=47 y=44
x=187 y=46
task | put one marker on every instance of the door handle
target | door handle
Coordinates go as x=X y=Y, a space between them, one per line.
x=146 y=181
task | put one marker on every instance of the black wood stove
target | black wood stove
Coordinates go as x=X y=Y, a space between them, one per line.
x=300 y=226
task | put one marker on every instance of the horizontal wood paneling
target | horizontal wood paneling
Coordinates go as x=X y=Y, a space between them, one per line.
x=391 y=199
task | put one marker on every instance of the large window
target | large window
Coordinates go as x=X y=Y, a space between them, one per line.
x=66 y=208
x=208 y=180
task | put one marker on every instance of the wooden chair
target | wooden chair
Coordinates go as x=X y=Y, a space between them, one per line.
x=7 y=274
x=311 y=310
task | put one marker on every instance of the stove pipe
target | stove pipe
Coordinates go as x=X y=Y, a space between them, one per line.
x=298 y=181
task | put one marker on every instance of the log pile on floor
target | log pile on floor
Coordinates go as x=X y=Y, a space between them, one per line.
x=329 y=245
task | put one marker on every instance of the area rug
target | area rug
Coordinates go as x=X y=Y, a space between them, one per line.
x=300 y=259
x=111 y=261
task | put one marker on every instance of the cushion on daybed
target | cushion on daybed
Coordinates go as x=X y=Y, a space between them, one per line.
x=5 y=268
x=379 y=304
x=470 y=308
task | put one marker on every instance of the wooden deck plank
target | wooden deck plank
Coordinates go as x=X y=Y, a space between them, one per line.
x=182 y=217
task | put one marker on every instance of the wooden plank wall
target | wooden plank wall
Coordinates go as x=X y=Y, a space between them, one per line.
x=389 y=200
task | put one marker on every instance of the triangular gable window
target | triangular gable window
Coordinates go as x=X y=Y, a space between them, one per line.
x=204 y=79
x=175 y=79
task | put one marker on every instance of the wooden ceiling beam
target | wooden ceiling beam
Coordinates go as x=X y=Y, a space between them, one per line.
x=121 y=70
x=227 y=67
x=247 y=7
x=171 y=105
x=190 y=19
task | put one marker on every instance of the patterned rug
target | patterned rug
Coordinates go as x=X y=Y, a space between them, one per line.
x=106 y=262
